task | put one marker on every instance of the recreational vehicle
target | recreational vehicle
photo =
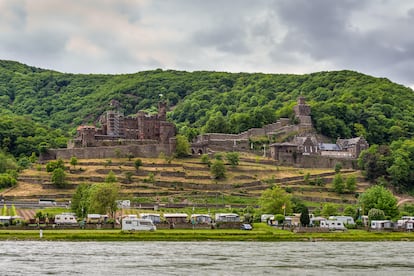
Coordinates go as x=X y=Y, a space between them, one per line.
x=137 y=224
x=332 y=224
x=65 y=218
x=227 y=217
x=200 y=218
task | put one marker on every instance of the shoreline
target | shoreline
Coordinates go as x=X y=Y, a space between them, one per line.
x=263 y=234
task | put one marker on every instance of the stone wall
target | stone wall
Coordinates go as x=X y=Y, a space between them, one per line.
x=152 y=150
x=317 y=161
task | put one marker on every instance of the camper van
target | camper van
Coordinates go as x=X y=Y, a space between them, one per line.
x=65 y=218
x=137 y=224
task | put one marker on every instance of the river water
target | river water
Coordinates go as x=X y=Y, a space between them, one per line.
x=206 y=258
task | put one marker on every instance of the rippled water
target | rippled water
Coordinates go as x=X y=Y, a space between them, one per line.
x=206 y=258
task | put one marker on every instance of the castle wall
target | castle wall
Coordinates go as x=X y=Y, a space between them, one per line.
x=317 y=161
x=151 y=150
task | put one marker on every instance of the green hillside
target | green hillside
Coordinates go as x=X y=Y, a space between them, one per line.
x=344 y=103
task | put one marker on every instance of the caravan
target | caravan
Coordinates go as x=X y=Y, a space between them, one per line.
x=137 y=224
x=65 y=218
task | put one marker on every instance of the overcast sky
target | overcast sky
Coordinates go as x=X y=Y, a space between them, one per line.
x=374 y=37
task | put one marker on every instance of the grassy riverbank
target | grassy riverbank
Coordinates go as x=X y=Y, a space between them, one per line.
x=259 y=233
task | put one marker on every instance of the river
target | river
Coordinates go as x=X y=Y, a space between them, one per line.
x=206 y=258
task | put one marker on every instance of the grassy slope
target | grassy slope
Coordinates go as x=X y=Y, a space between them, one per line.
x=183 y=180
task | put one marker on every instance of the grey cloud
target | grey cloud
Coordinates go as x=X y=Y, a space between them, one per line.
x=230 y=39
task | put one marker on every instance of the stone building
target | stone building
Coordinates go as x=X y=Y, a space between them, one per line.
x=211 y=142
x=115 y=128
x=117 y=135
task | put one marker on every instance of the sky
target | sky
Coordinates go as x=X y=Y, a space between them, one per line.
x=270 y=36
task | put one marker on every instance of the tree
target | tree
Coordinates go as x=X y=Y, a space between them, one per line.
x=80 y=200
x=74 y=161
x=304 y=217
x=52 y=165
x=338 y=183
x=205 y=160
x=137 y=164
x=110 y=178
x=4 y=211
x=380 y=198
x=376 y=214
x=350 y=184
x=338 y=168
x=233 y=158
x=182 y=148
x=59 y=178
x=102 y=198
x=329 y=210
x=12 y=211
x=350 y=211
x=275 y=201
x=218 y=170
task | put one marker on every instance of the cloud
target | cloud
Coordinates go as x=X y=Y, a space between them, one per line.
x=275 y=36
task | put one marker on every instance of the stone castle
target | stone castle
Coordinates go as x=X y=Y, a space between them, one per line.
x=304 y=149
x=118 y=136
x=116 y=127
x=150 y=135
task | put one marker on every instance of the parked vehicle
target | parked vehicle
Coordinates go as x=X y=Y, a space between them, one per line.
x=246 y=226
x=137 y=224
x=227 y=217
x=65 y=218
x=155 y=218
x=96 y=218
x=332 y=224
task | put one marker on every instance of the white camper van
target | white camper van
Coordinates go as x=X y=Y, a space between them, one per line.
x=137 y=224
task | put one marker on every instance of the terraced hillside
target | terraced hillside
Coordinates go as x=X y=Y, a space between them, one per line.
x=185 y=181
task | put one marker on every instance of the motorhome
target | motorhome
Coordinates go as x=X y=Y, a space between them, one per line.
x=137 y=224
x=228 y=217
x=332 y=224
x=65 y=218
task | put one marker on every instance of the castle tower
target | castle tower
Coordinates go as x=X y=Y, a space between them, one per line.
x=302 y=112
x=162 y=111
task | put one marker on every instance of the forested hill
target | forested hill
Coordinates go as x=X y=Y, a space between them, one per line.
x=344 y=103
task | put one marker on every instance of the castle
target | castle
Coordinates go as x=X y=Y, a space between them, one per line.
x=116 y=127
x=304 y=149
x=140 y=135
x=149 y=135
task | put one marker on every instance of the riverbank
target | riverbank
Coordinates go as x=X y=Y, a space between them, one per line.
x=259 y=233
